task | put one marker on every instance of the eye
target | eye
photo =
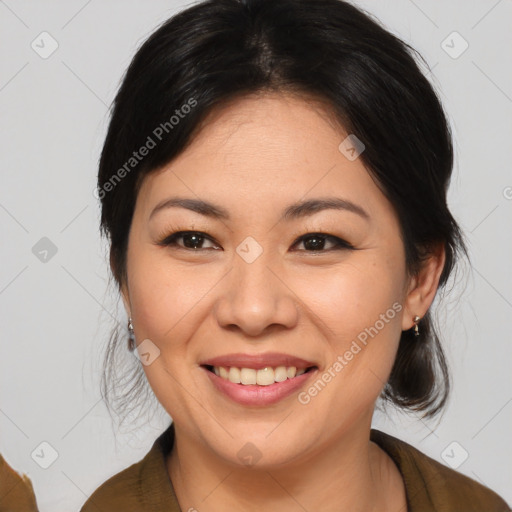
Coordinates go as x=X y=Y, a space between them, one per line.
x=315 y=242
x=192 y=240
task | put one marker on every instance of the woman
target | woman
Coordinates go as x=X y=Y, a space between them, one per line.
x=273 y=185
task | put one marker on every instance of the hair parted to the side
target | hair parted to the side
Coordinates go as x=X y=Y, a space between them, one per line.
x=219 y=50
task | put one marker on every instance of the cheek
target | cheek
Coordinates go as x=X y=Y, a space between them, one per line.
x=361 y=304
x=167 y=296
x=167 y=301
x=360 y=308
x=352 y=298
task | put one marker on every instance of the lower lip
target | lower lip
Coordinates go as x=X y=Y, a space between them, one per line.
x=253 y=394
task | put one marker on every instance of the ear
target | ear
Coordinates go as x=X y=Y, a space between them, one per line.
x=126 y=298
x=125 y=295
x=423 y=286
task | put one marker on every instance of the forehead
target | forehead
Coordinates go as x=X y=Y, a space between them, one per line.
x=261 y=151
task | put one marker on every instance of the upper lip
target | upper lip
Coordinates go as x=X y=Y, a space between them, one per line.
x=257 y=361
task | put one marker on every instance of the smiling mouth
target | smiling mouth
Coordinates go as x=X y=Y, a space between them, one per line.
x=265 y=376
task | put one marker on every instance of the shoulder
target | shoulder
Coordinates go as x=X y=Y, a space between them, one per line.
x=433 y=486
x=120 y=492
x=143 y=486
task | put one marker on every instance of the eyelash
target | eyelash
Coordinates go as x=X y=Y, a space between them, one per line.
x=170 y=241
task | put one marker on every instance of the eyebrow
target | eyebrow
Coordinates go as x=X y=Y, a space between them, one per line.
x=294 y=211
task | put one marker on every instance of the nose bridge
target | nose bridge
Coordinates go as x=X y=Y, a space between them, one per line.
x=255 y=297
x=253 y=279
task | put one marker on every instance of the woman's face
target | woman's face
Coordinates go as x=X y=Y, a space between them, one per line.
x=252 y=287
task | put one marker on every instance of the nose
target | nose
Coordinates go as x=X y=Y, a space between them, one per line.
x=256 y=299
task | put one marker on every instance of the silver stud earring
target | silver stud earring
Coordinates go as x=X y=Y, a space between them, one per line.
x=416 y=328
x=131 y=337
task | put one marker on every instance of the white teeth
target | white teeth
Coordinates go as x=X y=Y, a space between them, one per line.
x=280 y=374
x=263 y=377
x=247 y=376
x=234 y=375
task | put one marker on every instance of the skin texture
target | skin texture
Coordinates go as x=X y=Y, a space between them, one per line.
x=254 y=157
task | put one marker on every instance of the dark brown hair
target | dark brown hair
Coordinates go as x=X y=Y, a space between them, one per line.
x=219 y=50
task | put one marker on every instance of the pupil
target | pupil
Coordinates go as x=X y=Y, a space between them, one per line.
x=192 y=237
x=318 y=243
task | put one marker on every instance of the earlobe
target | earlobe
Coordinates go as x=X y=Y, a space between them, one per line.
x=423 y=287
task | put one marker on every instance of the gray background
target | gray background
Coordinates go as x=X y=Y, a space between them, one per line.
x=56 y=314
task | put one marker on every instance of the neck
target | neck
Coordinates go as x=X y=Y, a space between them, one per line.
x=351 y=474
